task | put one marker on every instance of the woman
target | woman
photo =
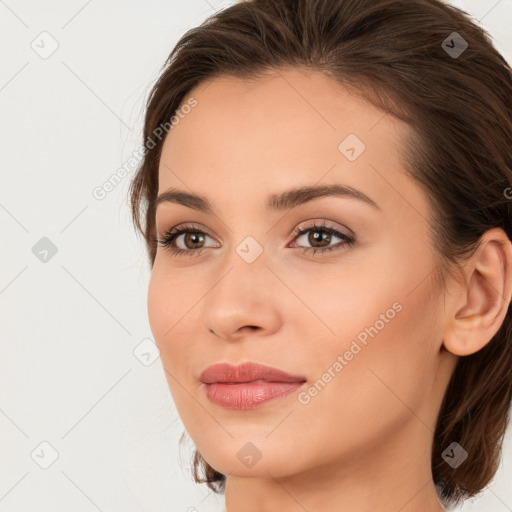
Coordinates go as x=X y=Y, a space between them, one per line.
x=325 y=203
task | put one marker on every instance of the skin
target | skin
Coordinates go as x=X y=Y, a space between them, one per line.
x=364 y=441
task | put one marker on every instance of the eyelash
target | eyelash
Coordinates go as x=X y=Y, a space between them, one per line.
x=174 y=233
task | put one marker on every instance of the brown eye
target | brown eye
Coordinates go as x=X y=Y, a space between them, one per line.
x=321 y=236
x=184 y=240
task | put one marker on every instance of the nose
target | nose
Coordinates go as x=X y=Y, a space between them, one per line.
x=242 y=302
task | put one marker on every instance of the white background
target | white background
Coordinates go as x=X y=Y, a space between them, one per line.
x=68 y=374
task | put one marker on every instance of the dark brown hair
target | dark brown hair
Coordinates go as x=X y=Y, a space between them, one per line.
x=404 y=58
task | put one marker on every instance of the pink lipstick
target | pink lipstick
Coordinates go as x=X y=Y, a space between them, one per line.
x=248 y=385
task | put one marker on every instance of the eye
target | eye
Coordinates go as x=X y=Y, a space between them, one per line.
x=319 y=234
x=192 y=235
x=322 y=234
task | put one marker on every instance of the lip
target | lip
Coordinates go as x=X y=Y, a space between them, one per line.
x=246 y=372
x=248 y=385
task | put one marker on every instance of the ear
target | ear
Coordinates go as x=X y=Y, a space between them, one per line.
x=476 y=306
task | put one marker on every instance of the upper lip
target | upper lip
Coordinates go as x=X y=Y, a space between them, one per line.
x=246 y=372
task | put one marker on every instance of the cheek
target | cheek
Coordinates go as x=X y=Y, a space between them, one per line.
x=383 y=360
x=173 y=314
x=170 y=302
x=164 y=312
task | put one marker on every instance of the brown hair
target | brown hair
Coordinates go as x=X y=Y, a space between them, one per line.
x=401 y=57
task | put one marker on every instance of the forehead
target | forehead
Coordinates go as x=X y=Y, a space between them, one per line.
x=288 y=128
x=283 y=106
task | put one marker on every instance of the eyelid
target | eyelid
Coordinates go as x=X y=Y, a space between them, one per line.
x=323 y=223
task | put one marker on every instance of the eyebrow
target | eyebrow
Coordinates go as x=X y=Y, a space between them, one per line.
x=276 y=202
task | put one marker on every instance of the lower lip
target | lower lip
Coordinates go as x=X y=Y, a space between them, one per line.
x=248 y=395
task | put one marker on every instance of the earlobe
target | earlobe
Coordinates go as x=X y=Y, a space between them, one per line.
x=477 y=310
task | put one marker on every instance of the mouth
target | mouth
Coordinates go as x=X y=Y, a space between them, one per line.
x=248 y=385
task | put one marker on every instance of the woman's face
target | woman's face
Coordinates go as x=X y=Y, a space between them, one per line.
x=361 y=322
